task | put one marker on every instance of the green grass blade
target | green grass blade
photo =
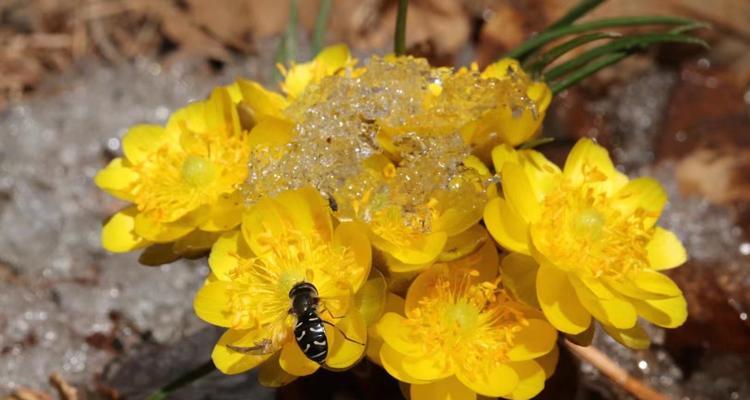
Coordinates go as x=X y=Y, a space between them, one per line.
x=586 y=71
x=320 y=26
x=545 y=37
x=399 y=39
x=576 y=12
x=554 y=53
x=625 y=44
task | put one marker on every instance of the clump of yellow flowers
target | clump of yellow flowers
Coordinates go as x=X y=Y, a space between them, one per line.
x=435 y=247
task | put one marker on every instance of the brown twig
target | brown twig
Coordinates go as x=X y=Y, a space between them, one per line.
x=615 y=373
x=66 y=391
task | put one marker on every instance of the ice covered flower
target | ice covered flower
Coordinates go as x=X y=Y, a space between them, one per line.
x=461 y=335
x=329 y=61
x=284 y=241
x=586 y=239
x=181 y=178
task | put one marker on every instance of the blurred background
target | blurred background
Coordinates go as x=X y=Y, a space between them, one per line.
x=78 y=323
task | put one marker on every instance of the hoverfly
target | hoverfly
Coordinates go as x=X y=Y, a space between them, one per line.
x=309 y=332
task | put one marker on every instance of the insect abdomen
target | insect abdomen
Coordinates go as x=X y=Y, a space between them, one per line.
x=311 y=336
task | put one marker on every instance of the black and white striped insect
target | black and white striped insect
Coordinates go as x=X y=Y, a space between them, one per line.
x=309 y=332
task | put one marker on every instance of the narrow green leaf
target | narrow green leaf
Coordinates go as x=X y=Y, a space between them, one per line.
x=545 y=37
x=554 y=53
x=320 y=26
x=587 y=70
x=626 y=44
x=576 y=12
x=286 y=53
x=535 y=143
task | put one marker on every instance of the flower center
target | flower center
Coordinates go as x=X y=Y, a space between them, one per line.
x=596 y=237
x=589 y=223
x=198 y=171
x=463 y=315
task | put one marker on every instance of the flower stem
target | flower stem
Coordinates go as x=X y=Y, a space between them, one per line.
x=184 y=379
x=576 y=12
x=399 y=41
x=547 y=36
x=320 y=26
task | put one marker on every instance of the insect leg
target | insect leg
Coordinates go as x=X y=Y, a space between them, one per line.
x=343 y=334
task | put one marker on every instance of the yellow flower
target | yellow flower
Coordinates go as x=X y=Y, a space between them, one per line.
x=412 y=235
x=329 y=61
x=461 y=335
x=519 y=117
x=587 y=241
x=182 y=178
x=285 y=241
x=499 y=105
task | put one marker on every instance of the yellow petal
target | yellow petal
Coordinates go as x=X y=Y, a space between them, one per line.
x=506 y=226
x=294 y=361
x=220 y=112
x=667 y=313
x=162 y=232
x=519 y=276
x=375 y=341
x=548 y=362
x=116 y=179
x=494 y=381
x=584 y=338
x=504 y=154
x=354 y=237
x=308 y=212
x=463 y=244
x=333 y=57
x=485 y=261
x=635 y=337
x=444 y=389
x=613 y=311
x=533 y=340
x=271 y=132
x=421 y=251
x=645 y=194
x=665 y=250
x=226 y=254
x=233 y=362
x=118 y=234
x=226 y=213
x=393 y=363
x=346 y=352
x=397 y=267
x=543 y=174
x=271 y=374
x=212 y=302
x=370 y=301
x=519 y=193
x=559 y=301
x=655 y=282
x=502 y=68
x=531 y=377
x=264 y=103
x=140 y=141
x=392 y=329
x=588 y=152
